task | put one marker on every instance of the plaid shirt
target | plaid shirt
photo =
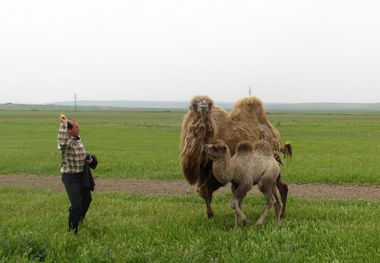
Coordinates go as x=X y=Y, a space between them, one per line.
x=72 y=151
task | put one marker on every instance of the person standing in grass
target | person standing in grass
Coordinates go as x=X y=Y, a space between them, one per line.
x=73 y=165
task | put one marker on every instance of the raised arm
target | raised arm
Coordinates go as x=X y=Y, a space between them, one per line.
x=63 y=136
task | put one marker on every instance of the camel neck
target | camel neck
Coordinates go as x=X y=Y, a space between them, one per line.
x=222 y=168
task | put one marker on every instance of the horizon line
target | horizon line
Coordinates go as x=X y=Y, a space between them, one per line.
x=178 y=101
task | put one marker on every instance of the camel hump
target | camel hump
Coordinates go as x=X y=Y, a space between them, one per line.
x=248 y=102
x=244 y=147
x=249 y=109
x=263 y=146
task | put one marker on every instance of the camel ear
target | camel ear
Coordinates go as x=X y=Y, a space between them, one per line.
x=192 y=106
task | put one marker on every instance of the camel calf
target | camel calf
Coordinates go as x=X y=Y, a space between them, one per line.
x=252 y=164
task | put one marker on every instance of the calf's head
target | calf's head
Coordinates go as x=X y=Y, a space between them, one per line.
x=215 y=151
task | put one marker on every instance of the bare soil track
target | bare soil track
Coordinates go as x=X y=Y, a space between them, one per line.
x=181 y=187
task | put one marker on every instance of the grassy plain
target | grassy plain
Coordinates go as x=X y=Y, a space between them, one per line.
x=122 y=228
x=328 y=148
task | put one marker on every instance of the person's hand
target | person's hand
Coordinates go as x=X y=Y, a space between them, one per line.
x=63 y=118
x=89 y=160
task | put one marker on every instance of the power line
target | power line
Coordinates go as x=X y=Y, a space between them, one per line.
x=75 y=101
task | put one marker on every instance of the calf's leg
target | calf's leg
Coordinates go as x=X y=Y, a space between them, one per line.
x=235 y=203
x=267 y=189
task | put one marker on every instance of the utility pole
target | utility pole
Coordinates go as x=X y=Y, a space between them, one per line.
x=75 y=101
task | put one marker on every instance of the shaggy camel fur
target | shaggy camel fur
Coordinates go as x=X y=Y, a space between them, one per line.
x=252 y=164
x=206 y=122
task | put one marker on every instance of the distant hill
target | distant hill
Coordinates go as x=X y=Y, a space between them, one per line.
x=322 y=107
x=178 y=105
x=183 y=106
x=269 y=107
x=128 y=104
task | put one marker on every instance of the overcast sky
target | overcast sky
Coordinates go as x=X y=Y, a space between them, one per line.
x=287 y=51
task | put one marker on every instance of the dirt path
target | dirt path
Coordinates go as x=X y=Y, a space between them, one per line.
x=181 y=187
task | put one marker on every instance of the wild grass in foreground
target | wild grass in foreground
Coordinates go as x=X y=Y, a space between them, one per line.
x=122 y=228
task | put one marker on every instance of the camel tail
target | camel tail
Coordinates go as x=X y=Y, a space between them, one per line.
x=287 y=150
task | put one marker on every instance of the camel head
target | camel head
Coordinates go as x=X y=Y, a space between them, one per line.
x=201 y=105
x=215 y=151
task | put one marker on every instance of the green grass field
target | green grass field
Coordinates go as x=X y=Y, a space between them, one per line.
x=328 y=148
x=122 y=228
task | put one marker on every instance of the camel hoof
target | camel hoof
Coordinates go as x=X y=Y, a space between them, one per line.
x=282 y=215
x=245 y=222
x=210 y=214
x=258 y=224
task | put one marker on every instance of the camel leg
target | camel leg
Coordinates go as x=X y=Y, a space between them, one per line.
x=205 y=189
x=206 y=194
x=283 y=188
x=235 y=203
x=277 y=204
x=237 y=216
x=233 y=188
x=267 y=191
x=209 y=210
x=240 y=200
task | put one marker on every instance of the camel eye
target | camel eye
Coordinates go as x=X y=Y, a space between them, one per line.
x=214 y=148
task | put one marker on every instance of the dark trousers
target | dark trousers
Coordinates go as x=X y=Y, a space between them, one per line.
x=80 y=198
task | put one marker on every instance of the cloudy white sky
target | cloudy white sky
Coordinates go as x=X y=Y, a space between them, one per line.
x=287 y=51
